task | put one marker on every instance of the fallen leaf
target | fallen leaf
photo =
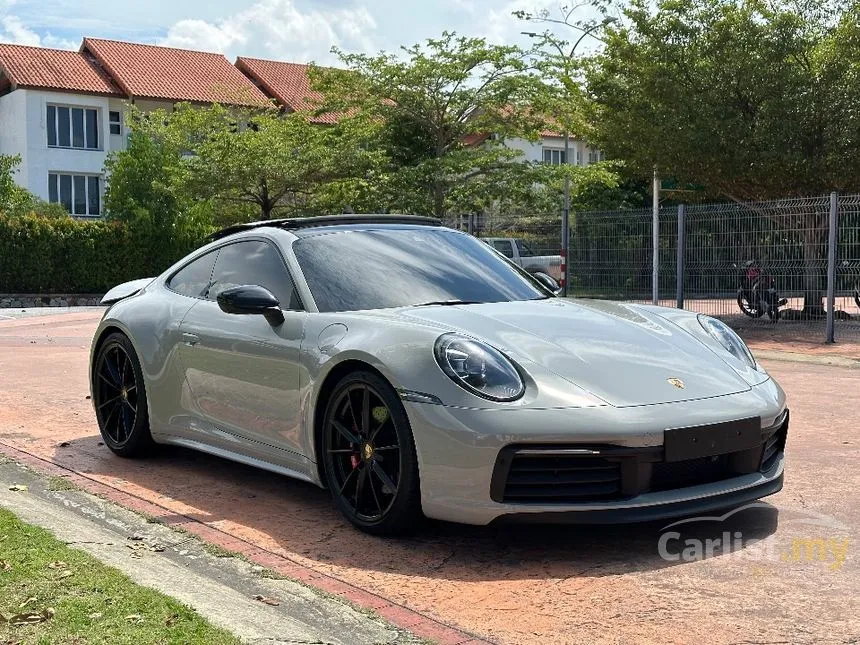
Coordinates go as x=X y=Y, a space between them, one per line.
x=88 y=397
x=157 y=548
x=96 y=615
x=5 y=566
x=268 y=601
x=171 y=619
x=65 y=444
x=3 y=619
x=66 y=574
x=27 y=602
x=135 y=538
x=100 y=443
x=57 y=564
x=32 y=617
x=134 y=618
x=18 y=487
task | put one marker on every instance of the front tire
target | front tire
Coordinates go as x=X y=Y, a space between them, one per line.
x=119 y=398
x=369 y=458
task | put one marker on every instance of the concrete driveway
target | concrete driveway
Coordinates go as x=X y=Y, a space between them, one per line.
x=800 y=583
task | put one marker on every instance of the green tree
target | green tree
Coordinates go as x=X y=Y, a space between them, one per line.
x=145 y=180
x=751 y=99
x=15 y=200
x=436 y=106
x=270 y=161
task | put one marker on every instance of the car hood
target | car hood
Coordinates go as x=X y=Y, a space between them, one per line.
x=618 y=352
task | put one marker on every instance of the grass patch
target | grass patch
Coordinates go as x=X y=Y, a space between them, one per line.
x=92 y=604
x=60 y=483
x=218 y=551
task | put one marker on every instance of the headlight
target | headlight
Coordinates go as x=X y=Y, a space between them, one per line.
x=478 y=368
x=726 y=337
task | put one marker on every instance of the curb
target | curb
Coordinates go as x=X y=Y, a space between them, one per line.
x=809 y=359
x=403 y=617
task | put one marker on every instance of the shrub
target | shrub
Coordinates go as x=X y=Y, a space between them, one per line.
x=65 y=255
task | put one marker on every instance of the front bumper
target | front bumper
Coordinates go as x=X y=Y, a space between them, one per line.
x=459 y=453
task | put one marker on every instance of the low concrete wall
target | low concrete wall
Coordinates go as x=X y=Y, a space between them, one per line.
x=15 y=300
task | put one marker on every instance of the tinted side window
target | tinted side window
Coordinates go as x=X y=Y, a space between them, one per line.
x=193 y=279
x=254 y=263
x=503 y=247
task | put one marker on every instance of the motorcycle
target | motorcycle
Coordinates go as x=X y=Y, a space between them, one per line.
x=757 y=293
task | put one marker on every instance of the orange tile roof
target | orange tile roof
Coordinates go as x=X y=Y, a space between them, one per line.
x=54 y=69
x=288 y=83
x=150 y=71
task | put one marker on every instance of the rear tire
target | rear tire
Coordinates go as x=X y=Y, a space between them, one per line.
x=746 y=305
x=119 y=398
x=369 y=458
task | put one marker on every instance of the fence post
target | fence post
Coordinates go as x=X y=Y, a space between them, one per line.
x=655 y=242
x=471 y=224
x=832 y=242
x=682 y=238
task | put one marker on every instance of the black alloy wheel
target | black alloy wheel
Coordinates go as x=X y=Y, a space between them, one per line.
x=369 y=455
x=119 y=398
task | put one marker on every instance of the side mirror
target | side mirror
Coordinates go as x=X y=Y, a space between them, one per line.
x=547 y=280
x=251 y=299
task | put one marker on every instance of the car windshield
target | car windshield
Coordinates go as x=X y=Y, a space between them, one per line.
x=352 y=270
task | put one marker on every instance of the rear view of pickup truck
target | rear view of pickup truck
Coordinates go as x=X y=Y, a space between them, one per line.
x=518 y=251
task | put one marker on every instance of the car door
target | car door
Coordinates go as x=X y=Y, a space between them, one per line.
x=242 y=371
x=506 y=248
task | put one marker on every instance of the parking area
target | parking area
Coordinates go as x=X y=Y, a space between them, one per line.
x=783 y=571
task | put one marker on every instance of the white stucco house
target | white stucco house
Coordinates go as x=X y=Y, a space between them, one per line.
x=550 y=149
x=63 y=111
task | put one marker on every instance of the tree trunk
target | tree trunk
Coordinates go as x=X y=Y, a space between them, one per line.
x=439 y=201
x=266 y=204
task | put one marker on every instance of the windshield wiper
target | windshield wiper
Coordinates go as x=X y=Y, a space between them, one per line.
x=447 y=303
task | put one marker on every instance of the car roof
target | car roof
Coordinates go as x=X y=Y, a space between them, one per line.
x=303 y=225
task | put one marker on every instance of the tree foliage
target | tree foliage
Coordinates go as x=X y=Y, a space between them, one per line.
x=435 y=105
x=15 y=200
x=751 y=99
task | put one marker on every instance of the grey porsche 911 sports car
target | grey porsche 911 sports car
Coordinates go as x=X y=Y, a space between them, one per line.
x=411 y=369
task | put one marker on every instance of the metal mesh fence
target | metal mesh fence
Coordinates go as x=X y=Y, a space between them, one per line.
x=753 y=264
x=750 y=264
x=611 y=255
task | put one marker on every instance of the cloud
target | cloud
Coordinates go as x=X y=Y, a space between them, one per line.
x=13 y=30
x=279 y=29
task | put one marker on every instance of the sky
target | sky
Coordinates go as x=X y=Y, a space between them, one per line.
x=292 y=30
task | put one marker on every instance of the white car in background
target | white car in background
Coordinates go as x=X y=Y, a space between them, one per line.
x=520 y=254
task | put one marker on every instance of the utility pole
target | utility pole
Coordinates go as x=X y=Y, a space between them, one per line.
x=568 y=57
x=565 y=218
x=655 y=239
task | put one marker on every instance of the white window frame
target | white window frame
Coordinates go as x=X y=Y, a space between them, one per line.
x=86 y=177
x=56 y=126
x=117 y=123
x=556 y=156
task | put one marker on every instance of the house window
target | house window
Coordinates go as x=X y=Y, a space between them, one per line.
x=70 y=127
x=552 y=156
x=115 y=122
x=594 y=156
x=79 y=194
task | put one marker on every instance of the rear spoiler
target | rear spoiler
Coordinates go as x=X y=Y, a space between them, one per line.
x=125 y=290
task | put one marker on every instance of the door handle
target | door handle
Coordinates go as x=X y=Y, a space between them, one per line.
x=190 y=339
